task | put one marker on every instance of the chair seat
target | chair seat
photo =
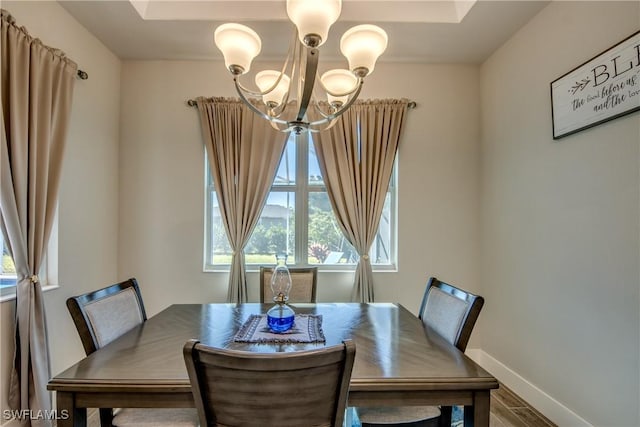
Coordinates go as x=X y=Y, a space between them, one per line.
x=155 y=417
x=401 y=415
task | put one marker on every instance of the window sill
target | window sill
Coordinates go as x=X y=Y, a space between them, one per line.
x=321 y=268
x=11 y=295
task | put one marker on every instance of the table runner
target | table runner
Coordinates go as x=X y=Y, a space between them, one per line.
x=307 y=328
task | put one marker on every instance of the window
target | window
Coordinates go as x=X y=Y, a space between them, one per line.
x=48 y=271
x=7 y=270
x=297 y=219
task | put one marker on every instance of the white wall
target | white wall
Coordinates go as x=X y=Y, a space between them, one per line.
x=560 y=222
x=88 y=206
x=162 y=181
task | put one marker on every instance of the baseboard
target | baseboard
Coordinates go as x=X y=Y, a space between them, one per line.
x=545 y=404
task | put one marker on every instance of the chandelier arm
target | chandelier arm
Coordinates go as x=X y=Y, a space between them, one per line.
x=278 y=128
x=314 y=97
x=295 y=47
x=316 y=106
x=344 y=108
x=277 y=111
x=310 y=71
x=247 y=90
x=292 y=47
x=261 y=93
x=316 y=103
x=253 y=107
x=332 y=123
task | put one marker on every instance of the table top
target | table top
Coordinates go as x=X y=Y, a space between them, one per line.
x=393 y=349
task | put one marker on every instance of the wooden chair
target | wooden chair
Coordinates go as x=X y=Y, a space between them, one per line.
x=303 y=284
x=291 y=389
x=102 y=316
x=452 y=313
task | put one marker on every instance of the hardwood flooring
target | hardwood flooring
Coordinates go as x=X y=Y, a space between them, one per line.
x=507 y=410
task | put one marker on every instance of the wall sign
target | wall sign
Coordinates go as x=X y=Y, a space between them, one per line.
x=601 y=89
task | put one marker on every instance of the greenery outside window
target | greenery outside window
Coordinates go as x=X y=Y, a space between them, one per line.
x=298 y=220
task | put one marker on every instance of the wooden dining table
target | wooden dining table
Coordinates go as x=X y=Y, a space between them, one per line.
x=398 y=361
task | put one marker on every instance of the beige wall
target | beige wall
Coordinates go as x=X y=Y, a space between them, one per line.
x=88 y=206
x=158 y=192
x=560 y=221
x=162 y=179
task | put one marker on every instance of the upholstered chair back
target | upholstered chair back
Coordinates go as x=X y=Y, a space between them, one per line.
x=450 y=311
x=103 y=315
x=303 y=284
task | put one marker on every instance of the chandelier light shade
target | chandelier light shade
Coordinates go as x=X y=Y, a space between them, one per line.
x=313 y=18
x=239 y=45
x=362 y=45
x=338 y=81
x=298 y=83
x=273 y=86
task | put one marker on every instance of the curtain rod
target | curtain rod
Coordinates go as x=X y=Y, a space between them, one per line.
x=82 y=75
x=411 y=105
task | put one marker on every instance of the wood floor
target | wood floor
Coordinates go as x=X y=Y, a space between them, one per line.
x=507 y=410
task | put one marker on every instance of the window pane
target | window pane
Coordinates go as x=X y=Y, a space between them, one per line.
x=7 y=268
x=326 y=244
x=274 y=232
x=380 y=252
x=315 y=176
x=313 y=237
x=220 y=250
x=286 y=174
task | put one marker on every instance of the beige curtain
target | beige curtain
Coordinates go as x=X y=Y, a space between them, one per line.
x=356 y=158
x=244 y=152
x=37 y=90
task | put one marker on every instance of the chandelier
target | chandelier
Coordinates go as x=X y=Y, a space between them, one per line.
x=288 y=94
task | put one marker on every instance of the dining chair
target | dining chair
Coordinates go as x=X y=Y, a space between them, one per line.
x=287 y=389
x=102 y=316
x=452 y=313
x=303 y=284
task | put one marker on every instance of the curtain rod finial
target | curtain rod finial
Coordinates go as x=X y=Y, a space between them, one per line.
x=82 y=75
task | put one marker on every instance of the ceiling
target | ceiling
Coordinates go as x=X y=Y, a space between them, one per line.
x=419 y=31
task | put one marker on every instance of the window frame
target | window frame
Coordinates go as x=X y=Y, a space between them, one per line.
x=301 y=188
